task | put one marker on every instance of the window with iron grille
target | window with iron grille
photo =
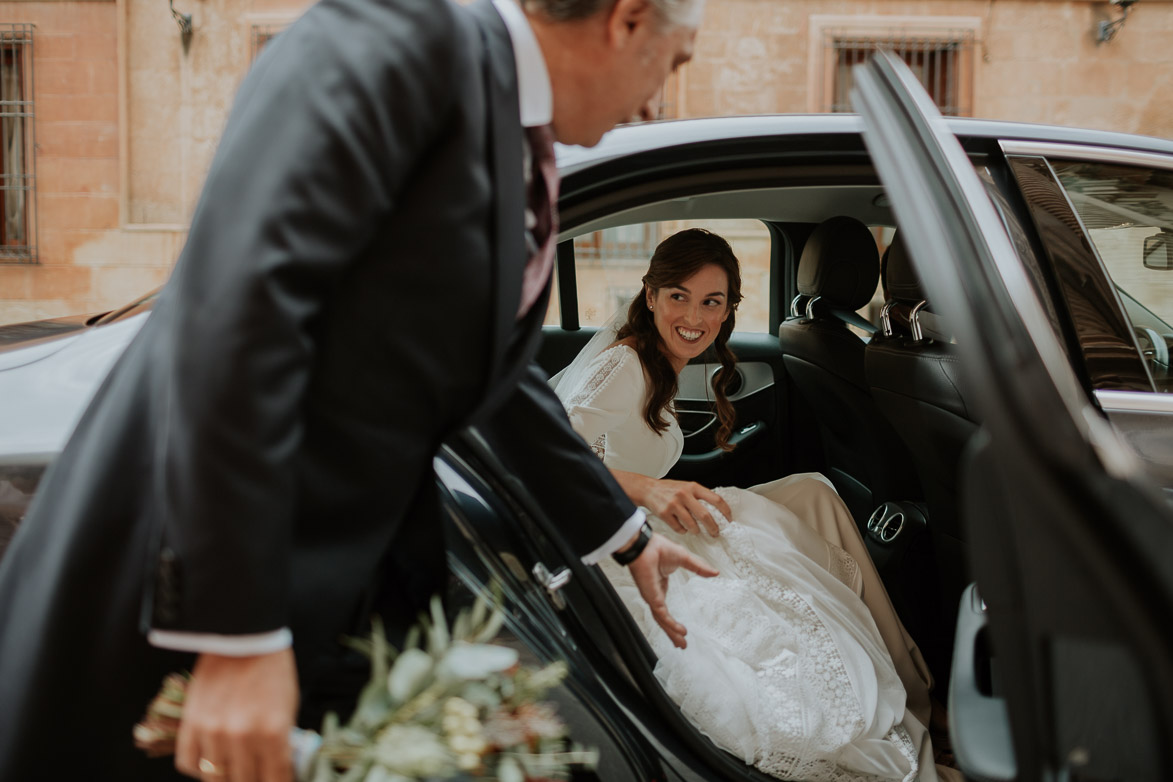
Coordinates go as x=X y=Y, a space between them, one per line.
x=631 y=244
x=942 y=61
x=262 y=34
x=17 y=142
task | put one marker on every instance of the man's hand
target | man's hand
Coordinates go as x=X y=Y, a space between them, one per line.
x=659 y=559
x=678 y=503
x=237 y=717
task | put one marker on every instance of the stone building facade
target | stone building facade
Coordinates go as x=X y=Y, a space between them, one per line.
x=109 y=118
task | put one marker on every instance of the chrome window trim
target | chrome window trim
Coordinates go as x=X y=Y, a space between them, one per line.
x=1135 y=401
x=1124 y=157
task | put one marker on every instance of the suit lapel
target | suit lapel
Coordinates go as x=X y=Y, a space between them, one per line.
x=505 y=162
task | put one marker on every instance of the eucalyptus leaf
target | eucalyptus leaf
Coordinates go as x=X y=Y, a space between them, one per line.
x=438 y=638
x=380 y=774
x=476 y=661
x=373 y=704
x=480 y=609
x=356 y=772
x=490 y=629
x=509 y=770
x=409 y=675
x=481 y=694
x=379 y=651
x=413 y=638
x=462 y=627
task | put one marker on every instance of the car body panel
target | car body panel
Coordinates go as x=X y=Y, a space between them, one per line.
x=47 y=383
x=1059 y=511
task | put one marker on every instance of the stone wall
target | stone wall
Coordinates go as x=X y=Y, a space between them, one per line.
x=1034 y=60
x=127 y=121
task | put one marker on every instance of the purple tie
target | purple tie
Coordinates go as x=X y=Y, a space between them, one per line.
x=541 y=218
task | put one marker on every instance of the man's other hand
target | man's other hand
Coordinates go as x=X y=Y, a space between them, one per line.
x=237 y=717
x=650 y=570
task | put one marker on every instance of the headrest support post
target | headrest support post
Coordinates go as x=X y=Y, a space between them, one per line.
x=886 y=318
x=914 y=321
x=794 y=313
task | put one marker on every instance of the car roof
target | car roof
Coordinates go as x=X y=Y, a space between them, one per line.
x=629 y=140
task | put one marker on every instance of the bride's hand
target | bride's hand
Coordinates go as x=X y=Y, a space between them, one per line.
x=678 y=503
x=650 y=571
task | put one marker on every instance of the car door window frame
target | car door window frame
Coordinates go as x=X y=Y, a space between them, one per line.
x=1111 y=357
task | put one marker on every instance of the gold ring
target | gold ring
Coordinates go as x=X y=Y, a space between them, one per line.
x=211 y=769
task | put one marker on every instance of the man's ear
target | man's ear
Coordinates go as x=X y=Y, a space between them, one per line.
x=627 y=19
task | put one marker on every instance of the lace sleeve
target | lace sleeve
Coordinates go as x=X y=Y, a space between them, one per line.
x=607 y=397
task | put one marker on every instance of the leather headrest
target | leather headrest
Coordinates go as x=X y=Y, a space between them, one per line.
x=900 y=278
x=840 y=264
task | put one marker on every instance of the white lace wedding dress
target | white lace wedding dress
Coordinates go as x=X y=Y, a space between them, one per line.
x=785 y=666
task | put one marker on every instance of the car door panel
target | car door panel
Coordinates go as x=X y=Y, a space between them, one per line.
x=1069 y=538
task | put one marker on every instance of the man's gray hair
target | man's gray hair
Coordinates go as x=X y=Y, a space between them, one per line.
x=671 y=11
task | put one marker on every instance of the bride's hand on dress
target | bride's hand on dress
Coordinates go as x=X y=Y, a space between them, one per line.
x=650 y=571
x=677 y=503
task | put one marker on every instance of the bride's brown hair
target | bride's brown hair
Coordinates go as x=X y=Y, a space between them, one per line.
x=676 y=259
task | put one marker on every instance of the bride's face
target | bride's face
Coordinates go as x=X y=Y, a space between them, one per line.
x=689 y=315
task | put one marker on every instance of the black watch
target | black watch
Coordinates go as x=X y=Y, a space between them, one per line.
x=635 y=549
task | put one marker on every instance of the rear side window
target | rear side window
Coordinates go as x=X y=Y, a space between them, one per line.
x=1127 y=213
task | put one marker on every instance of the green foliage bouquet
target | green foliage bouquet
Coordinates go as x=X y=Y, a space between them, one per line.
x=449 y=705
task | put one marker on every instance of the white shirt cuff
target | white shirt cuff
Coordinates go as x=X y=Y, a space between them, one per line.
x=616 y=541
x=225 y=645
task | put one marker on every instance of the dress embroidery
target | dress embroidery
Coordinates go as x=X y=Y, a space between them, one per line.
x=803 y=706
x=599 y=380
x=843 y=565
x=599 y=446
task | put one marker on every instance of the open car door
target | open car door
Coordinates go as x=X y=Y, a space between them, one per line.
x=1063 y=668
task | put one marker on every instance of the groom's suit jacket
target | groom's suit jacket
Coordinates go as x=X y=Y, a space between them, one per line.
x=260 y=457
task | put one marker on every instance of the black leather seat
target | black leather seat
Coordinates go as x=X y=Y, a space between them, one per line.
x=837 y=274
x=915 y=378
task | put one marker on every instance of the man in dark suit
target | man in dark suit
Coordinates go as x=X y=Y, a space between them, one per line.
x=356 y=286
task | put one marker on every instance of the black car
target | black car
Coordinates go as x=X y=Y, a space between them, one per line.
x=998 y=419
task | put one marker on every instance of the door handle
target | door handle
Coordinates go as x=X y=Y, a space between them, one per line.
x=979 y=724
x=552 y=582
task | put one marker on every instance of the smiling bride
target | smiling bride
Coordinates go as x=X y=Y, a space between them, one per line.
x=796 y=660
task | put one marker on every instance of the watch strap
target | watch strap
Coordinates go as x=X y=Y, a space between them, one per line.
x=633 y=551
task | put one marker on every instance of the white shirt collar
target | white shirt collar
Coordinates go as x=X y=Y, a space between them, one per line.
x=535 y=96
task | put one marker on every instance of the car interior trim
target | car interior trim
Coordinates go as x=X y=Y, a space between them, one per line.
x=693 y=385
x=797 y=203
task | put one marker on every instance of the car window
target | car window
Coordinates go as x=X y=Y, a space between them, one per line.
x=610 y=263
x=1127 y=212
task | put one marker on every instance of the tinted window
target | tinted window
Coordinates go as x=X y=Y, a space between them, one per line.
x=1128 y=215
